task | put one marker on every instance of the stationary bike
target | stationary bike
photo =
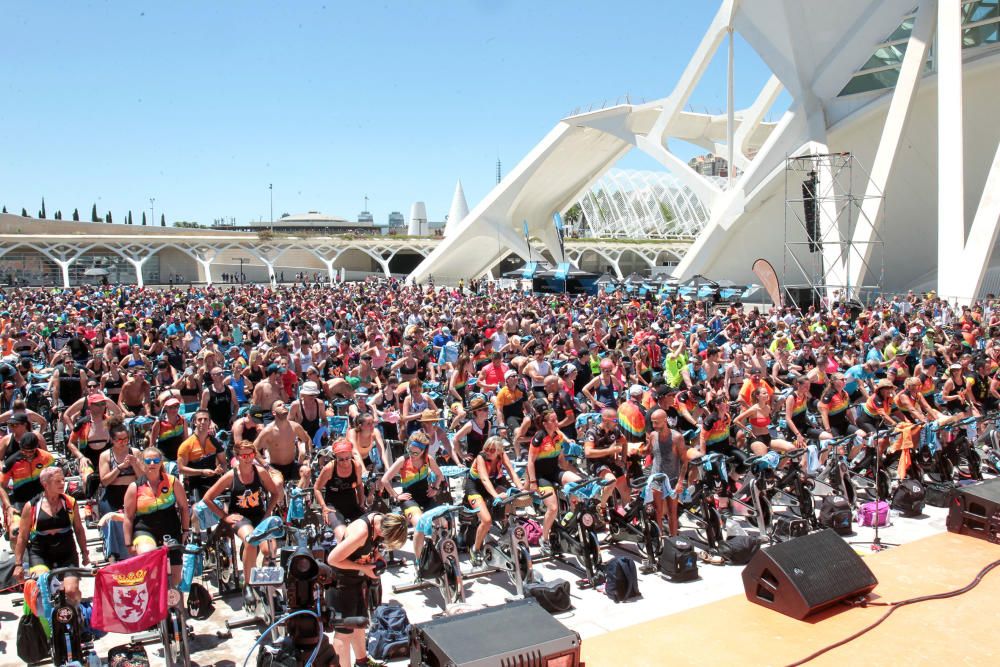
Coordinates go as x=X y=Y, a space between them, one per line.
x=506 y=545
x=700 y=507
x=69 y=642
x=438 y=562
x=636 y=523
x=574 y=532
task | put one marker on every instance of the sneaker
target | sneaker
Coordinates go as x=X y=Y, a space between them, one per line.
x=546 y=547
x=476 y=556
x=369 y=662
x=249 y=601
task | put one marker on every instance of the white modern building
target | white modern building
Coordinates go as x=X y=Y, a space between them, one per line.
x=908 y=87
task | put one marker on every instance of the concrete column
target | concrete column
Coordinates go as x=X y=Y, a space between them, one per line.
x=137 y=265
x=206 y=267
x=951 y=158
x=64 y=267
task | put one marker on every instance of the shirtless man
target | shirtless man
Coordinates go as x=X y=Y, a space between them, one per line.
x=134 y=397
x=268 y=391
x=280 y=439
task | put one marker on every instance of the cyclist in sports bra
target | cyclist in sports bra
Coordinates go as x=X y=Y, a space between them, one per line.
x=367 y=442
x=49 y=521
x=353 y=561
x=601 y=390
x=339 y=489
x=486 y=482
x=413 y=405
x=90 y=437
x=253 y=495
x=758 y=415
x=417 y=493
x=475 y=431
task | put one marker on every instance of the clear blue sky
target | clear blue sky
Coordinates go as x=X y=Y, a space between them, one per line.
x=202 y=104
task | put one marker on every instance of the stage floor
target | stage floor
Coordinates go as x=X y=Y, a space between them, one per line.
x=955 y=631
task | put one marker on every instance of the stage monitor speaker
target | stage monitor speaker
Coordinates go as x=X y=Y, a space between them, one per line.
x=975 y=510
x=807 y=574
x=517 y=633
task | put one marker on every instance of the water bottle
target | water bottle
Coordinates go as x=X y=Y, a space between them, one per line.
x=189 y=567
x=687 y=495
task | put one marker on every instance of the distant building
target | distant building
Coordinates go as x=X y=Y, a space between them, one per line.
x=709 y=165
x=312 y=222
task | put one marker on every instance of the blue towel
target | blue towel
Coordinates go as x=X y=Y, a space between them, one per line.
x=269 y=528
x=425 y=524
x=113 y=534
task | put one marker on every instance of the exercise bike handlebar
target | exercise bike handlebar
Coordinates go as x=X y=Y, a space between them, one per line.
x=78 y=571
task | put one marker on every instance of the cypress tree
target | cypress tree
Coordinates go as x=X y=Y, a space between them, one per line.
x=163 y=220
x=129 y=218
x=42 y=212
x=58 y=215
x=5 y=208
x=108 y=219
x=93 y=214
x=24 y=212
x=143 y=218
x=76 y=215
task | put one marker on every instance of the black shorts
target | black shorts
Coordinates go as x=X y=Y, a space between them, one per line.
x=421 y=503
x=348 y=596
x=290 y=471
x=54 y=556
x=252 y=520
x=763 y=437
x=343 y=516
x=598 y=466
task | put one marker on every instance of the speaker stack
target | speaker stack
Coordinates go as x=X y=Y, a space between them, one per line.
x=975 y=510
x=805 y=575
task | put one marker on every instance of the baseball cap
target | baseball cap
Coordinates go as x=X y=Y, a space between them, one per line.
x=18 y=418
x=509 y=374
x=273 y=368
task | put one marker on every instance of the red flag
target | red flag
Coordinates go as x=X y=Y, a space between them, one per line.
x=131 y=595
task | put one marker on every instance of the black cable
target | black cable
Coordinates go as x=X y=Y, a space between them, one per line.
x=896 y=605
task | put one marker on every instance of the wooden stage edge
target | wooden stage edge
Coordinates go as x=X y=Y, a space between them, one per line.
x=734 y=631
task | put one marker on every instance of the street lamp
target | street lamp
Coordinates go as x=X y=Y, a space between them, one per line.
x=241 y=260
x=270 y=189
x=152 y=217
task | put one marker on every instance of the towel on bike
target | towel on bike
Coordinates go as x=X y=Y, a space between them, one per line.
x=909 y=435
x=425 y=524
x=270 y=528
x=658 y=482
x=131 y=595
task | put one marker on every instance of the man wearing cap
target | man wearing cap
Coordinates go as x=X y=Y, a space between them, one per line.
x=509 y=402
x=268 y=391
x=286 y=443
x=18 y=424
x=19 y=476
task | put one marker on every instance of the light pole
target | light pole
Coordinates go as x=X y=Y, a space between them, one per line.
x=152 y=218
x=241 y=260
x=270 y=189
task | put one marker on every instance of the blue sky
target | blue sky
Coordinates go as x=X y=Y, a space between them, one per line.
x=203 y=104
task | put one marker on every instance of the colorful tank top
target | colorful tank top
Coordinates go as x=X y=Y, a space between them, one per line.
x=492 y=469
x=927 y=387
x=149 y=500
x=798 y=406
x=837 y=403
x=24 y=474
x=48 y=526
x=717 y=430
x=411 y=475
x=548 y=447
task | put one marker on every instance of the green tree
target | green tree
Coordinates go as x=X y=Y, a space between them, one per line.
x=163 y=220
x=110 y=220
x=107 y=218
x=572 y=216
x=76 y=214
x=143 y=218
x=41 y=214
x=5 y=208
x=93 y=214
x=129 y=218
x=24 y=212
x=58 y=215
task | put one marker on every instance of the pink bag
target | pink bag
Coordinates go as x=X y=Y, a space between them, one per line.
x=871 y=514
x=532 y=532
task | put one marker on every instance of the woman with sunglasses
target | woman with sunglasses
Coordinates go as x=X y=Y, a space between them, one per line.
x=119 y=467
x=91 y=436
x=339 y=489
x=156 y=506
x=200 y=457
x=253 y=495
x=473 y=432
x=548 y=469
x=417 y=493
x=486 y=483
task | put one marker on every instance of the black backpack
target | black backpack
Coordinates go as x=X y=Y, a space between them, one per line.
x=739 y=549
x=835 y=513
x=552 y=596
x=389 y=633
x=938 y=494
x=678 y=560
x=909 y=497
x=621 y=579
x=32 y=644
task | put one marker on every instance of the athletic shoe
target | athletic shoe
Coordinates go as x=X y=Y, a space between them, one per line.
x=369 y=662
x=546 y=547
x=476 y=556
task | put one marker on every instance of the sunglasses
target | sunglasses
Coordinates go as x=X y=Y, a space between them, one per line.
x=345 y=459
x=152 y=461
x=121 y=438
x=416 y=452
x=246 y=455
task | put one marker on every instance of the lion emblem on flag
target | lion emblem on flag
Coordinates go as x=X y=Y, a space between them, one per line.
x=130 y=597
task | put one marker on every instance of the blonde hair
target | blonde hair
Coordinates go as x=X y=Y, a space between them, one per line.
x=394 y=530
x=494 y=444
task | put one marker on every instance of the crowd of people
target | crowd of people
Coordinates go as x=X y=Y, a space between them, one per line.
x=238 y=383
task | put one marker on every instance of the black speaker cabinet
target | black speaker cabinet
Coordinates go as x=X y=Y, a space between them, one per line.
x=515 y=634
x=807 y=574
x=975 y=510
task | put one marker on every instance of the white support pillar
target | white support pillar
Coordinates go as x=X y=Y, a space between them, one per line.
x=64 y=267
x=951 y=158
x=137 y=265
x=330 y=271
x=730 y=112
x=982 y=235
x=896 y=120
x=206 y=267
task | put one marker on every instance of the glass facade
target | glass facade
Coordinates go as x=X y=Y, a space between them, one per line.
x=981 y=21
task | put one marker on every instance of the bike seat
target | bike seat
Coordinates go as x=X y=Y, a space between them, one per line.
x=794 y=453
x=638 y=482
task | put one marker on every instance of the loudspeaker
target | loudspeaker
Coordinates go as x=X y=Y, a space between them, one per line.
x=517 y=633
x=975 y=510
x=807 y=574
